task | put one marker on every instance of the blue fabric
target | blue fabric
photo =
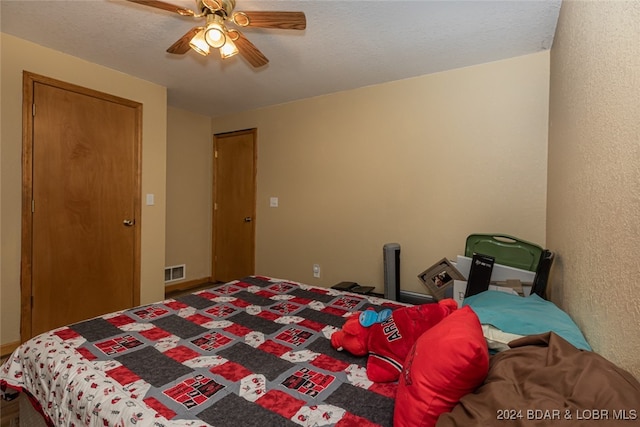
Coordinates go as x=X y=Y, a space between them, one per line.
x=370 y=317
x=525 y=316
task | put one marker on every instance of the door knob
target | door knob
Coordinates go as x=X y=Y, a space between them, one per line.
x=128 y=222
x=247 y=219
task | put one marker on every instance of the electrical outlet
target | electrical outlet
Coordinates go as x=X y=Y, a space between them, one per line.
x=316 y=270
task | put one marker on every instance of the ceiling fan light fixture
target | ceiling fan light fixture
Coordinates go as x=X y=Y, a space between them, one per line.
x=199 y=44
x=214 y=33
x=229 y=49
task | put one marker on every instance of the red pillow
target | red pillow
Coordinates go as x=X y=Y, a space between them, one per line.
x=447 y=361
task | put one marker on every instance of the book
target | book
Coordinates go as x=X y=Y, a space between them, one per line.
x=345 y=286
x=362 y=289
x=353 y=287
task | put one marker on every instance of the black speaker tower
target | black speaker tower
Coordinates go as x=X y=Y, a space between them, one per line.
x=391 y=258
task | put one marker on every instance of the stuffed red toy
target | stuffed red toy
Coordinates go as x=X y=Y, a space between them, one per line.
x=388 y=342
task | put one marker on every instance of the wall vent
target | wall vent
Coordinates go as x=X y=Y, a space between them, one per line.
x=174 y=272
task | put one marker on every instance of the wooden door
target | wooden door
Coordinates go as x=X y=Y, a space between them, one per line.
x=82 y=182
x=234 y=205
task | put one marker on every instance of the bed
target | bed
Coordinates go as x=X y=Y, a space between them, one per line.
x=257 y=351
x=250 y=352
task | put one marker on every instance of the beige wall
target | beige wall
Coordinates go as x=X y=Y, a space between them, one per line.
x=594 y=174
x=19 y=55
x=189 y=162
x=423 y=162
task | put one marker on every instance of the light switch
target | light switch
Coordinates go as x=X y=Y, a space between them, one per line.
x=150 y=200
x=273 y=202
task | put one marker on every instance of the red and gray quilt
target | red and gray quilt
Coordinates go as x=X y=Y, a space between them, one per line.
x=250 y=352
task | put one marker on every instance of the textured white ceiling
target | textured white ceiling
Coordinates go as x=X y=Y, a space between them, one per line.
x=347 y=44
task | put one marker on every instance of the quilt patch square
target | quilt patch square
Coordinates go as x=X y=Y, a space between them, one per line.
x=120 y=320
x=310 y=324
x=268 y=316
x=237 y=330
x=155 y=334
x=294 y=336
x=221 y=311
x=199 y=319
x=255 y=323
x=193 y=391
x=231 y=371
x=322 y=317
x=350 y=419
x=300 y=300
x=240 y=303
x=234 y=411
x=347 y=302
x=176 y=305
x=335 y=311
x=323 y=346
x=66 y=333
x=281 y=287
x=226 y=290
x=363 y=403
x=265 y=294
x=329 y=363
x=385 y=389
x=181 y=353
x=309 y=382
x=256 y=281
x=150 y=312
x=86 y=353
x=96 y=329
x=179 y=326
x=253 y=299
x=284 y=308
x=123 y=375
x=152 y=366
x=208 y=295
x=274 y=348
x=157 y=406
x=195 y=301
x=313 y=296
x=256 y=360
x=211 y=341
x=118 y=344
x=281 y=402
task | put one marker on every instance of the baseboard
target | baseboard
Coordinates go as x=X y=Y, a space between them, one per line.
x=415 y=298
x=8 y=348
x=186 y=285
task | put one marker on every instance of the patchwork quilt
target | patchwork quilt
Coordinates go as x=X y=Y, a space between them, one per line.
x=254 y=351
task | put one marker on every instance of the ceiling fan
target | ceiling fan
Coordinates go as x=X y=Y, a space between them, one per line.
x=215 y=34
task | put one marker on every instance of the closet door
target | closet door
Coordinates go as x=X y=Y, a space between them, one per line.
x=85 y=204
x=234 y=214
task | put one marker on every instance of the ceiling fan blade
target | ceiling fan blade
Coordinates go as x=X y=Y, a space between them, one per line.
x=282 y=20
x=248 y=50
x=165 y=6
x=181 y=46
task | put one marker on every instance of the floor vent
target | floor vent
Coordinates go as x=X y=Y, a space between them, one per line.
x=175 y=272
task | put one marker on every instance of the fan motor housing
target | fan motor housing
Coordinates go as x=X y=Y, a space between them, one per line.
x=221 y=7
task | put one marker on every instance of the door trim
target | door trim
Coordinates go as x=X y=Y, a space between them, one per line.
x=28 y=81
x=214 y=219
